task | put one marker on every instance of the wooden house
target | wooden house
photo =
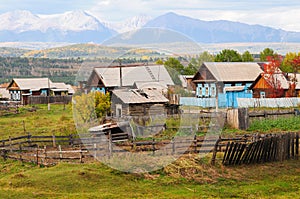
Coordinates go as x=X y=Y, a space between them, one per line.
x=270 y=86
x=224 y=82
x=138 y=102
x=106 y=79
x=21 y=88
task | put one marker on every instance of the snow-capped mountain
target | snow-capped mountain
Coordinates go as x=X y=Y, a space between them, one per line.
x=82 y=27
x=221 y=31
x=133 y=23
x=74 y=26
x=18 y=21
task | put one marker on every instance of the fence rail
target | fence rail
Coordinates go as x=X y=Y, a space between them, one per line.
x=246 y=149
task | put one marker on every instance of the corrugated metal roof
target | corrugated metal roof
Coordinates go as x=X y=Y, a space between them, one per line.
x=36 y=84
x=136 y=96
x=234 y=71
x=111 y=75
x=32 y=83
x=158 y=85
x=276 y=80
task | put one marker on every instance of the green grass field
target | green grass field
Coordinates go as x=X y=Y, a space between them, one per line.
x=94 y=180
x=186 y=178
x=40 y=122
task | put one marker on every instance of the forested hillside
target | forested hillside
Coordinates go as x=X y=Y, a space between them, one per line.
x=63 y=63
x=57 y=69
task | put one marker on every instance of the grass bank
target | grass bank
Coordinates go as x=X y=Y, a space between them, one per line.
x=178 y=180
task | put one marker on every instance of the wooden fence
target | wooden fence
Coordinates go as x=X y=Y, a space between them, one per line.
x=267 y=148
x=246 y=149
x=49 y=99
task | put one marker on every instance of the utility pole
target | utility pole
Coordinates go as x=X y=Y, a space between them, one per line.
x=217 y=100
x=48 y=94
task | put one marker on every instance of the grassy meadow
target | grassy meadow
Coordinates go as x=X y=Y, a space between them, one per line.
x=58 y=120
x=187 y=177
x=94 y=180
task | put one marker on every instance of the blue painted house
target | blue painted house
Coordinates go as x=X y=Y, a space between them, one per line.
x=225 y=82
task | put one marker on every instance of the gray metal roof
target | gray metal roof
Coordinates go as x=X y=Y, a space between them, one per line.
x=277 y=80
x=131 y=74
x=158 y=85
x=234 y=71
x=36 y=84
x=32 y=83
x=136 y=96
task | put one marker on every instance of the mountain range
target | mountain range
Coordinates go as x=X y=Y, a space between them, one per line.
x=82 y=27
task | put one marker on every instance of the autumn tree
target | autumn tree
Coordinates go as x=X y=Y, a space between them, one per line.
x=159 y=62
x=102 y=104
x=228 y=55
x=295 y=64
x=273 y=75
x=88 y=107
x=287 y=62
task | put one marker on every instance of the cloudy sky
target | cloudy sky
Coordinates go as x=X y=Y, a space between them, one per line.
x=276 y=13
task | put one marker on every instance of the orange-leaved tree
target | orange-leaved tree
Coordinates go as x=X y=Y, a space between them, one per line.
x=295 y=63
x=274 y=76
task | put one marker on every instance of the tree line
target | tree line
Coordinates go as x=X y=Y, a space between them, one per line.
x=288 y=64
x=65 y=70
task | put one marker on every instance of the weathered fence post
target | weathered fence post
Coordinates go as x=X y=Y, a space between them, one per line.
x=213 y=159
x=37 y=155
x=153 y=146
x=5 y=154
x=95 y=150
x=20 y=152
x=81 y=156
x=60 y=153
x=297 y=146
x=45 y=154
x=195 y=144
x=71 y=140
x=109 y=143
x=173 y=146
x=10 y=144
x=243 y=118
x=53 y=140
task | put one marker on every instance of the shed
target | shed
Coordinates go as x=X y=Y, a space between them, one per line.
x=138 y=102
